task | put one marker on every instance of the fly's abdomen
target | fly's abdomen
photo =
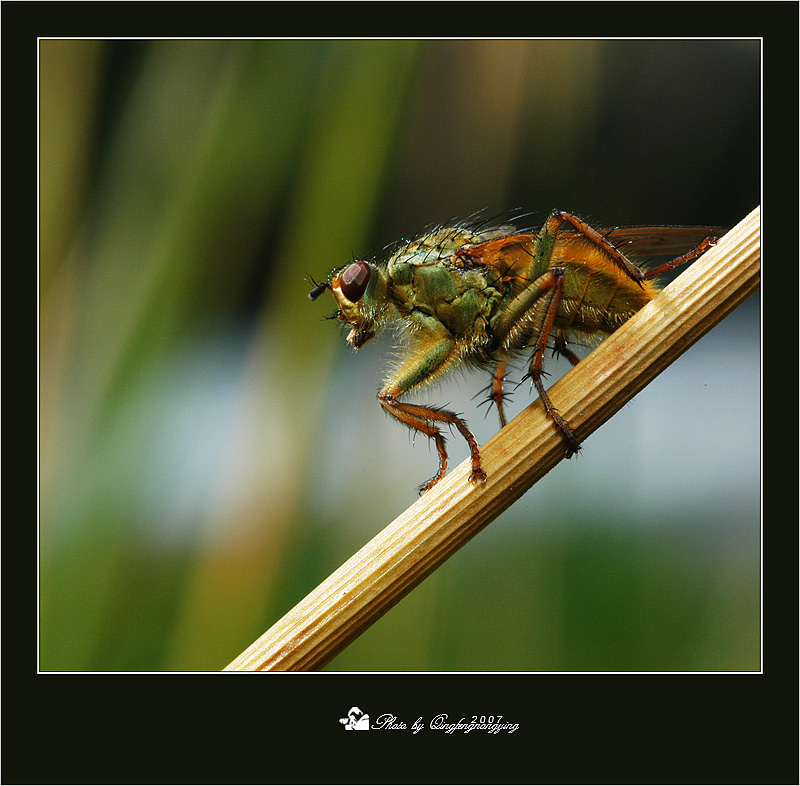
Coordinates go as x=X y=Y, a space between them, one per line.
x=599 y=300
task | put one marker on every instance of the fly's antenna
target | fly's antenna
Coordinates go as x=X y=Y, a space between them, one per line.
x=317 y=289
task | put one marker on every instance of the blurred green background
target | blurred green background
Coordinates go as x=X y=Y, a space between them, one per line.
x=210 y=449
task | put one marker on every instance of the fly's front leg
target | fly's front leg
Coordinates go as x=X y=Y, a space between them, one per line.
x=404 y=415
x=422 y=418
x=421 y=366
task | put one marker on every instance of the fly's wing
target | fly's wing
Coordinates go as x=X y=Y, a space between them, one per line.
x=659 y=240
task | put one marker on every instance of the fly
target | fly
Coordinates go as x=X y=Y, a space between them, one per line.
x=481 y=297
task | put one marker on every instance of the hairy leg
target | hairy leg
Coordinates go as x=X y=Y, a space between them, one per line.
x=537 y=362
x=496 y=394
x=421 y=365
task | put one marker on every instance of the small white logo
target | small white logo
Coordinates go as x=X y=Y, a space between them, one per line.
x=355 y=720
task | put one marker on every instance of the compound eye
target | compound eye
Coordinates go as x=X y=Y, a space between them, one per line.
x=353 y=281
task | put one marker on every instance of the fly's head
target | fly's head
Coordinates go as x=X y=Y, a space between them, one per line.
x=360 y=291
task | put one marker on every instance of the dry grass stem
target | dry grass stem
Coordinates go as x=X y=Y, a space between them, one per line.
x=438 y=524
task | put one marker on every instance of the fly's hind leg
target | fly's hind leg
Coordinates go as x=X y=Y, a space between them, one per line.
x=558 y=217
x=421 y=366
x=549 y=233
x=681 y=260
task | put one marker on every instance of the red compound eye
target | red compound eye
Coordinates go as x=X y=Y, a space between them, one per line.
x=353 y=281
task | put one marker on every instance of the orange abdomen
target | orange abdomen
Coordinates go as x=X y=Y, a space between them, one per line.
x=599 y=297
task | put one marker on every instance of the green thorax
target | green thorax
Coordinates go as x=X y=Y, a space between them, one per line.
x=426 y=278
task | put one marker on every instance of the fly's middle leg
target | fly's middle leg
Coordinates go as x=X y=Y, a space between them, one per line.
x=543 y=294
x=561 y=347
x=537 y=361
x=497 y=394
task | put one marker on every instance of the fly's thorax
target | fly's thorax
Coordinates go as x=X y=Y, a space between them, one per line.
x=360 y=290
x=430 y=249
x=435 y=248
x=461 y=300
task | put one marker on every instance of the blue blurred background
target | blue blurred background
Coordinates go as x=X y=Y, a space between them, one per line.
x=211 y=450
